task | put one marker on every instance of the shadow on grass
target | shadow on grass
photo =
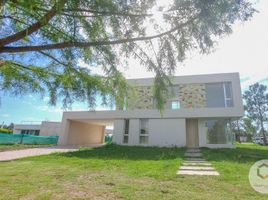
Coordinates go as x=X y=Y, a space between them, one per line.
x=239 y=154
x=112 y=151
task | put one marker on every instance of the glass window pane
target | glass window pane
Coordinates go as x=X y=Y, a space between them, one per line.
x=229 y=103
x=175 y=105
x=36 y=132
x=219 y=132
x=143 y=139
x=228 y=90
x=144 y=126
x=126 y=126
x=215 y=95
x=144 y=131
x=125 y=140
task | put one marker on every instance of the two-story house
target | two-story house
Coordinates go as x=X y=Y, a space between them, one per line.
x=197 y=114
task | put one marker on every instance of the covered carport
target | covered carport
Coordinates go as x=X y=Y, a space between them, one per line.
x=84 y=131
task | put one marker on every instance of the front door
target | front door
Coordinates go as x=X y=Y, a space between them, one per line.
x=192 y=138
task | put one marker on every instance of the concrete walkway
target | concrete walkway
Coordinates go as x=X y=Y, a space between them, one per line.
x=16 y=154
x=195 y=164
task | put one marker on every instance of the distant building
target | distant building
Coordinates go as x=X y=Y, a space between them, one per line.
x=44 y=128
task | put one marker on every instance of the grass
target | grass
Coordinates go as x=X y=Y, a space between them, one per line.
x=8 y=147
x=118 y=172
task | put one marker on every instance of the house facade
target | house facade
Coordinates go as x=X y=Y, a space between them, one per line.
x=198 y=113
x=44 y=128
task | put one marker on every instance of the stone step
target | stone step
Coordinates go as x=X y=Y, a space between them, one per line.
x=197 y=168
x=193 y=150
x=193 y=155
x=192 y=163
x=200 y=173
x=196 y=159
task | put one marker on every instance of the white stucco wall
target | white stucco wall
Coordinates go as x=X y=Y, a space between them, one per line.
x=167 y=132
x=162 y=132
x=202 y=130
x=50 y=128
x=134 y=131
x=118 y=131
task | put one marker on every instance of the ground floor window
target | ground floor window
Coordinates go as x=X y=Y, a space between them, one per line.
x=126 y=131
x=30 y=132
x=144 y=131
x=219 y=131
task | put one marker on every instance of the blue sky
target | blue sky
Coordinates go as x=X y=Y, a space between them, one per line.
x=244 y=51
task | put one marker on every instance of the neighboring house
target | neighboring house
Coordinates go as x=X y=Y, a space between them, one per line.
x=197 y=114
x=44 y=128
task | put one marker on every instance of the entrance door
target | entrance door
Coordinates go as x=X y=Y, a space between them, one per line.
x=192 y=138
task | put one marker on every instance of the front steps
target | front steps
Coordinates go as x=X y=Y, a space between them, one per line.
x=195 y=164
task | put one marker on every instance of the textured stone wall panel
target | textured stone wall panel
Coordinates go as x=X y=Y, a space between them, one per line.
x=142 y=99
x=192 y=95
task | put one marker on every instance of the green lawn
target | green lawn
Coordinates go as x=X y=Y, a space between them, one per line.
x=8 y=147
x=117 y=172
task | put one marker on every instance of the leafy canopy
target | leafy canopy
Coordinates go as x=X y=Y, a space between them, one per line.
x=256 y=98
x=43 y=42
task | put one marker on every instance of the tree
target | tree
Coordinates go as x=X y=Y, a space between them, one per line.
x=249 y=126
x=11 y=126
x=42 y=43
x=256 y=99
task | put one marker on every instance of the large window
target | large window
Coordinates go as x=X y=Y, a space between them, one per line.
x=144 y=131
x=219 y=131
x=219 y=95
x=126 y=131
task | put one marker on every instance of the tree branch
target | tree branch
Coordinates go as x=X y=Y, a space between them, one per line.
x=107 y=12
x=53 y=58
x=34 y=27
x=63 y=45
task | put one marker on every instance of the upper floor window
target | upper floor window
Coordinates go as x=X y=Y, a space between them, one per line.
x=175 y=105
x=219 y=95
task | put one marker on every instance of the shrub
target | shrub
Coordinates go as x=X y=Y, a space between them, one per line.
x=4 y=130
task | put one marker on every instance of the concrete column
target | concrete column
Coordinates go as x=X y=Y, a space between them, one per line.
x=118 y=131
x=64 y=134
x=202 y=132
x=134 y=131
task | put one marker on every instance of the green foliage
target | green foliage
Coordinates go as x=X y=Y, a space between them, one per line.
x=256 y=98
x=5 y=130
x=58 y=35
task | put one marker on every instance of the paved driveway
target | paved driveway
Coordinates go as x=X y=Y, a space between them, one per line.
x=16 y=154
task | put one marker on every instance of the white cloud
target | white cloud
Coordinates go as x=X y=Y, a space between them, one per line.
x=49 y=109
x=5 y=115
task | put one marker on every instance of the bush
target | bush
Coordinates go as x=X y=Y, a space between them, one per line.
x=4 y=130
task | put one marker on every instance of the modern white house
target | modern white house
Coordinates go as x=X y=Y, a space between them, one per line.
x=197 y=114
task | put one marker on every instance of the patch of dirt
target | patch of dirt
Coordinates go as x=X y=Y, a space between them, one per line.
x=89 y=186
